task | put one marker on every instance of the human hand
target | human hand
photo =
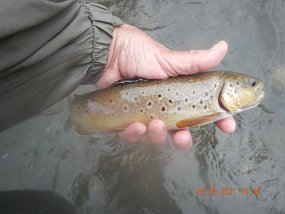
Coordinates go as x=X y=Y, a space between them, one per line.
x=134 y=54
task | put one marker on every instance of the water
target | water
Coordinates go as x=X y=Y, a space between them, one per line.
x=100 y=174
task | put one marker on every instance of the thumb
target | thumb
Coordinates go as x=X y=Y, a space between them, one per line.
x=188 y=62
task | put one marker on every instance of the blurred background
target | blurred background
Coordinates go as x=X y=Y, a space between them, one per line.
x=100 y=174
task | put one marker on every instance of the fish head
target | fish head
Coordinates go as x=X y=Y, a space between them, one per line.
x=241 y=92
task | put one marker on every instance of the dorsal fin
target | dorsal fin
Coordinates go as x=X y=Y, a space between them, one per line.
x=128 y=81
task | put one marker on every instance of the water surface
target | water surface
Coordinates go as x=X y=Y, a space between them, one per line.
x=100 y=174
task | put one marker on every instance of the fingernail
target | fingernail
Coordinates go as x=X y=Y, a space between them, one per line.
x=159 y=130
x=217 y=45
x=156 y=135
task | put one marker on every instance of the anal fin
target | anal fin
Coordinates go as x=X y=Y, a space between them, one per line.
x=189 y=122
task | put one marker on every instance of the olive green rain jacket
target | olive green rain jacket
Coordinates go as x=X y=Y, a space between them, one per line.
x=47 y=49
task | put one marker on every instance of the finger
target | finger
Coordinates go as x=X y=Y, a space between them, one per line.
x=182 y=139
x=213 y=57
x=189 y=62
x=156 y=132
x=133 y=133
x=227 y=125
x=108 y=77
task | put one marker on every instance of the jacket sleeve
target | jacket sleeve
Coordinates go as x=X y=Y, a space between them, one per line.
x=47 y=49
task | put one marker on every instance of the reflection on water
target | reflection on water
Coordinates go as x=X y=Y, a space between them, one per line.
x=138 y=185
x=121 y=8
x=278 y=78
x=100 y=174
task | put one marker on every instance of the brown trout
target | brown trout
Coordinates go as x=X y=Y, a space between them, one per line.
x=181 y=102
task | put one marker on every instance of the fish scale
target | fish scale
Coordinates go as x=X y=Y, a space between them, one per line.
x=181 y=102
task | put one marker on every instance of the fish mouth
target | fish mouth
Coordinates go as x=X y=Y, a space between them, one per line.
x=260 y=96
x=259 y=92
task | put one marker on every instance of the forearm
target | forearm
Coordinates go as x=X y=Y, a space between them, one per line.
x=47 y=49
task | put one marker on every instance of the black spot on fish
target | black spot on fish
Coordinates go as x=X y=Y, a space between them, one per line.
x=194 y=92
x=149 y=104
x=193 y=106
x=159 y=96
x=237 y=83
x=170 y=101
x=231 y=85
x=186 y=100
x=163 y=108
x=111 y=100
x=143 y=92
x=126 y=108
x=178 y=108
x=206 y=94
x=141 y=110
x=205 y=107
x=201 y=101
x=151 y=116
x=215 y=85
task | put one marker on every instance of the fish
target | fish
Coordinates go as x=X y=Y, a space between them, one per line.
x=181 y=102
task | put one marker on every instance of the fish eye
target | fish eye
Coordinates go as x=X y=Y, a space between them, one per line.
x=252 y=82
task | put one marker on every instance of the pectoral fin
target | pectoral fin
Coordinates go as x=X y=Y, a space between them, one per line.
x=197 y=121
x=82 y=131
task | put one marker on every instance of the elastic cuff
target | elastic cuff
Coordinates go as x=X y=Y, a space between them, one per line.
x=103 y=23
